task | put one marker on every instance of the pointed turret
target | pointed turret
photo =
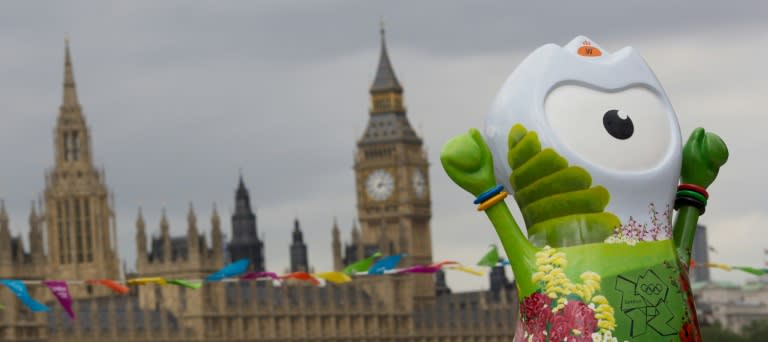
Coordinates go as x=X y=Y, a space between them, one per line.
x=299 y=260
x=165 y=236
x=216 y=237
x=193 y=239
x=5 y=236
x=336 y=246
x=69 y=99
x=388 y=122
x=141 y=238
x=385 y=80
x=35 y=236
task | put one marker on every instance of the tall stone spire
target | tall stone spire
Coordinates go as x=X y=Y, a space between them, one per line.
x=69 y=99
x=5 y=236
x=299 y=260
x=245 y=243
x=385 y=80
x=336 y=246
x=35 y=236
x=141 y=239
x=193 y=237
x=388 y=122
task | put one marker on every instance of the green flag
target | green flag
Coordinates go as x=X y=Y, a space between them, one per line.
x=362 y=265
x=185 y=283
x=491 y=258
x=752 y=270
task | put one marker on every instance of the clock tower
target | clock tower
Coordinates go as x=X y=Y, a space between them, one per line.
x=391 y=171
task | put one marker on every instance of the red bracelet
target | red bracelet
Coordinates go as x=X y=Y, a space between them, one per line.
x=694 y=187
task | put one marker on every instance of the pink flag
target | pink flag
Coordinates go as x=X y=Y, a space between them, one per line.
x=61 y=292
x=420 y=269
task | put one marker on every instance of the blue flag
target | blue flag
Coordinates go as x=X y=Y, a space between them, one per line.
x=384 y=264
x=20 y=290
x=232 y=270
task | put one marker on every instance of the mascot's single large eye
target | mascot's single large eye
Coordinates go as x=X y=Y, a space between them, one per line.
x=595 y=126
x=616 y=126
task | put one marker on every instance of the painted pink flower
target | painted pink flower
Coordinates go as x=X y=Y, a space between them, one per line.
x=582 y=318
x=537 y=312
x=561 y=327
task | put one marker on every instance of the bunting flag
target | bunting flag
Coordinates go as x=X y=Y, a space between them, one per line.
x=419 y=269
x=145 y=281
x=259 y=275
x=469 y=270
x=385 y=264
x=334 y=277
x=20 y=290
x=232 y=270
x=443 y=263
x=111 y=284
x=752 y=270
x=301 y=276
x=723 y=267
x=186 y=283
x=60 y=290
x=491 y=258
x=362 y=265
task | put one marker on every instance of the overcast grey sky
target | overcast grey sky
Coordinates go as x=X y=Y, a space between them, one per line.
x=180 y=95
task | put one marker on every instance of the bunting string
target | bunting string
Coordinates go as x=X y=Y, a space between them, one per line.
x=374 y=265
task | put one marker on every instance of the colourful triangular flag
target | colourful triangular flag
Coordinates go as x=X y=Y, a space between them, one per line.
x=467 y=270
x=258 y=275
x=20 y=290
x=185 y=283
x=111 y=284
x=334 y=277
x=490 y=259
x=147 y=280
x=301 y=276
x=751 y=270
x=232 y=270
x=385 y=264
x=420 y=269
x=362 y=265
x=60 y=290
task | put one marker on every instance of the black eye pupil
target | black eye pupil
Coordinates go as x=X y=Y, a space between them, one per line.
x=617 y=127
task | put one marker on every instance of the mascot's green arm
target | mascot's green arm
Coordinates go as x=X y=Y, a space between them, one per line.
x=469 y=163
x=703 y=155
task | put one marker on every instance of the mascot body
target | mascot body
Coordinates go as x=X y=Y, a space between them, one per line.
x=588 y=145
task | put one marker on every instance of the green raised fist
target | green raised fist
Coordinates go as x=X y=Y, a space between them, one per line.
x=703 y=155
x=468 y=161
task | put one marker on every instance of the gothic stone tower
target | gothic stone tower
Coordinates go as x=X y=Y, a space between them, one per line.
x=391 y=169
x=80 y=221
x=245 y=240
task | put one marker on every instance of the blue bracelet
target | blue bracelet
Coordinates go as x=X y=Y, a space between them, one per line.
x=488 y=194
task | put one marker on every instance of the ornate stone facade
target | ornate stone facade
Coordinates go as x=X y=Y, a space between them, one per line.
x=394 y=211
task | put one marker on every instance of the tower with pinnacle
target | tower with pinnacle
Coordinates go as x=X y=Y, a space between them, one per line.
x=79 y=216
x=299 y=258
x=391 y=173
x=245 y=242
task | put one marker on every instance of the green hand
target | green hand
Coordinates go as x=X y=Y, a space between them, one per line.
x=703 y=155
x=468 y=161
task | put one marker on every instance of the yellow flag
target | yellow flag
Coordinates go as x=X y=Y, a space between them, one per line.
x=149 y=280
x=720 y=266
x=466 y=269
x=334 y=277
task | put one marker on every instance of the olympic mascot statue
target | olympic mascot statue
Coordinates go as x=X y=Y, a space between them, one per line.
x=589 y=148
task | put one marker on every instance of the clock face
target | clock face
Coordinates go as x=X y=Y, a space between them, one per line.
x=419 y=184
x=380 y=185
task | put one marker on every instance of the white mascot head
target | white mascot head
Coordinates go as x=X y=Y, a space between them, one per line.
x=604 y=112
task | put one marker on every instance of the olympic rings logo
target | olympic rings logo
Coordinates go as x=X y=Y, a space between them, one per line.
x=653 y=289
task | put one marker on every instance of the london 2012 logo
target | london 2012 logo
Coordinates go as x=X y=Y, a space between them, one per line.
x=644 y=301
